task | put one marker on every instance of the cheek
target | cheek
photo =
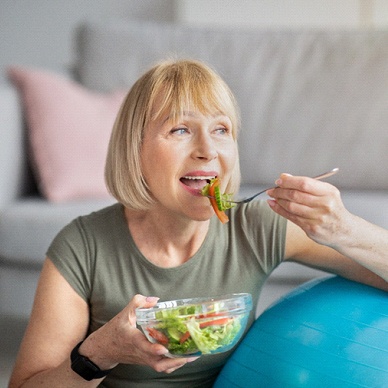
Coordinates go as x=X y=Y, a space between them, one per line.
x=148 y=163
x=230 y=156
x=156 y=162
x=231 y=168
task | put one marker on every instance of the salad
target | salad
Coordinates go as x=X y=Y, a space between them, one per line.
x=184 y=333
x=218 y=201
x=195 y=326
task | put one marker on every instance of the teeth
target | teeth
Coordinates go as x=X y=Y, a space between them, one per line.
x=199 y=177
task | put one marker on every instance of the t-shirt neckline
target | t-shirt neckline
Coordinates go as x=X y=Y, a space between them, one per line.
x=197 y=257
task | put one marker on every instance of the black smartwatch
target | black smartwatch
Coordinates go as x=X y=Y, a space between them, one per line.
x=84 y=367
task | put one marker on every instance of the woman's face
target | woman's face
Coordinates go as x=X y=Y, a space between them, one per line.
x=179 y=157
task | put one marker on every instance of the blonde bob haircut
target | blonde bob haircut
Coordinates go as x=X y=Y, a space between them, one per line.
x=178 y=86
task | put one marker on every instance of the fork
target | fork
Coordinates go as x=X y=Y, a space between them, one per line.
x=249 y=199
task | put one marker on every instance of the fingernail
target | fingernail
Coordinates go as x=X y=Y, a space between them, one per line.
x=271 y=202
x=191 y=359
x=152 y=299
x=278 y=182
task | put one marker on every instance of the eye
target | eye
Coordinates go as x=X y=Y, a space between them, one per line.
x=180 y=131
x=222 y=130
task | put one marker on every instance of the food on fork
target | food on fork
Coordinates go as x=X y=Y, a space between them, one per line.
x=219 y=202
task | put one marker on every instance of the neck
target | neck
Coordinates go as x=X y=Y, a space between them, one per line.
x=164 y=240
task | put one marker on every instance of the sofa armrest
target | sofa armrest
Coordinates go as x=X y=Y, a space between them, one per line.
x=13 y=158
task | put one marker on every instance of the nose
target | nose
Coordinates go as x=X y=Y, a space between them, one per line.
x=204 y=147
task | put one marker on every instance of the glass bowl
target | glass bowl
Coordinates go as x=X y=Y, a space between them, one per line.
x=197 y=326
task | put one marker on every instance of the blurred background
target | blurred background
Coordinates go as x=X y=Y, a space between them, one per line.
x=39 y=34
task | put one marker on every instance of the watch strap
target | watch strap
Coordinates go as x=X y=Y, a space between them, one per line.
x=84 y=367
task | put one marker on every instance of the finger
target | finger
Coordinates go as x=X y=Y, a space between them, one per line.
x=139 y=301
x=309 y=226
x=295 y=209
x=308 y=218
x=302 y=183
x=306 y=191
x=142 y=352
x=169 y=365
x=143 y=301
x=291 y=211
x=144 y=346
x=303 y=204
x=294 y=196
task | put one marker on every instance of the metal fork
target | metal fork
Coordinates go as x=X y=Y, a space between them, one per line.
x=249 y=199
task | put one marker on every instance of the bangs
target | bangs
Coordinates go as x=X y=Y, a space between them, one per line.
x=190 y=88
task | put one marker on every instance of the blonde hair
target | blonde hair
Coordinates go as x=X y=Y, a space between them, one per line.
x=177 y=85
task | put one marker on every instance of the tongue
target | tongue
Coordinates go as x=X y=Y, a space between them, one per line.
x=194 y=183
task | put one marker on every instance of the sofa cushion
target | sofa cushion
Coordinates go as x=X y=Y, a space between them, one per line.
x=28 y=226
x=310 y=100
x=69 y=128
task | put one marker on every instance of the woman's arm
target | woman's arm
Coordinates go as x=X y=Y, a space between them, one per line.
x=333 y=238
x=60 y=320
x=303 y=250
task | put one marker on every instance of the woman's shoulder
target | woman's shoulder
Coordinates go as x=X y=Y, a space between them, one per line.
x=87 y=232
x=104 y=216
x=96 y=222
x=110 y=211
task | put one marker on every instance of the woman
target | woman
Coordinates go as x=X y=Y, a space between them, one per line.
x=176 y=130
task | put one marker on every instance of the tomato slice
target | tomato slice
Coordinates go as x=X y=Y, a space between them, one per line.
x=210 y=315
x=220 y=213
x=158 y=335
x=214 y=322
x=184 y=337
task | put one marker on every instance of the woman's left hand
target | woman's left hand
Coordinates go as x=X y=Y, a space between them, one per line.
x=315 y=206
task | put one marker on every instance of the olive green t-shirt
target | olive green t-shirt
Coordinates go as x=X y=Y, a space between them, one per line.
x=98 y=257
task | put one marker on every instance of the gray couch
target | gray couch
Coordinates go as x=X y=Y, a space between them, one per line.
x=310 y=101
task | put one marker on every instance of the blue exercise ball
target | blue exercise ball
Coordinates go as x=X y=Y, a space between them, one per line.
x=329 y=332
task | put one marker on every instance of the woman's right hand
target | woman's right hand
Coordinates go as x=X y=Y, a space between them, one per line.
x=120 y=341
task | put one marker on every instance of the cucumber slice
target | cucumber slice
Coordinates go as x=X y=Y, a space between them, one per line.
x=174 y=333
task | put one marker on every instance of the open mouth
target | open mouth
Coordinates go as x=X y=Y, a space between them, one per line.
x=196 y=182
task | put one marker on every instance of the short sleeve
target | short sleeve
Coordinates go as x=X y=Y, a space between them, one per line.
x=258 y=226
x=70 y=254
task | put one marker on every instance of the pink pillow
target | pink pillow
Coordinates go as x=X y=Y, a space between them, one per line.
x=69 y=129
